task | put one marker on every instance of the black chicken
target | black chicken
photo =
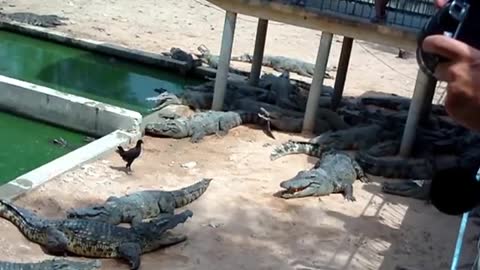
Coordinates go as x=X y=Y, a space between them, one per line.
x=131 y=154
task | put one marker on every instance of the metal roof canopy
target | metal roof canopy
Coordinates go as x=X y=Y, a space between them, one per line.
x=351 y=27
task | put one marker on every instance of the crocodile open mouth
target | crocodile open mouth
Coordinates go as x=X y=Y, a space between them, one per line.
x=292 y=190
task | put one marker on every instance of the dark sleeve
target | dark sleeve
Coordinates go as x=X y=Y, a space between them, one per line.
x=470 y=33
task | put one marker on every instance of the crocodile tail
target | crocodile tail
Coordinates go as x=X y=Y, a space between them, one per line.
x=394 y=166
x=262 y=120
x=28 y=223
x=189 y=194
x=296 y=147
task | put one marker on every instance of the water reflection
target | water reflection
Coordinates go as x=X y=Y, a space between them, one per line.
x=78 y=72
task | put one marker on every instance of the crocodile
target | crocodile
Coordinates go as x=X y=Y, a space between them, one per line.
x=297 y=147
x=382 y=160
x=33 y=19
x=62 y=143
x=334 y=172
x=271 y=89
x=409 y=188
x=95 y=239
x=335 y=122
x=200 y=97
x=195 y=100
x=354 y=138
x=283 y=88
x=52 y=264
x=281 y=119
x=212 y=60
x=395 y=166
x=181 y=55
x=336 y=140
x=136 y=207
x=372 y=160
x=201 y=124
x=282 y=63
x=422 y=166
x=398 y=103
x=292 y=123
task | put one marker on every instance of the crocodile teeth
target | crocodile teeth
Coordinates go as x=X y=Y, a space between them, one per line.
x=293 y=190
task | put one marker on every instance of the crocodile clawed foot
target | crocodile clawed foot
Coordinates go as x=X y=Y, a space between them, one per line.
x=350 y=198
x=364 y=179
x=286 y=196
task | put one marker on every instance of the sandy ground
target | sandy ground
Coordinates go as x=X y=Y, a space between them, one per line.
x=237 y=223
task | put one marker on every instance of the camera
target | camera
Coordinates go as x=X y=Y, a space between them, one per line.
x=458 y=19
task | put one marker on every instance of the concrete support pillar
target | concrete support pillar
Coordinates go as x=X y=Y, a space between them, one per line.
x=258 y=52
x=427 y=102
x=341 y=72
x=317 y=82
x=424 y=86
x=224 y=61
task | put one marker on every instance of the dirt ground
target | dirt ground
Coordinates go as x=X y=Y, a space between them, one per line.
x=237 y=223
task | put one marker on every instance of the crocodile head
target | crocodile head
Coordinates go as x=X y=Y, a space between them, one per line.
x=164 y=99
x=97 y=213
x=305 y=183
x=165 y=127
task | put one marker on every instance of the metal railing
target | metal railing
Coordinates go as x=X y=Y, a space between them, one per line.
x=405 y=13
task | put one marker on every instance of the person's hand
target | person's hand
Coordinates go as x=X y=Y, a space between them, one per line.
x=440 y=3
x=462 y=73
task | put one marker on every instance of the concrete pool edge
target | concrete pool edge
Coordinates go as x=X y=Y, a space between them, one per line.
x=94 y=150
x=106 y=48
x=67 y=110
x=115 y=125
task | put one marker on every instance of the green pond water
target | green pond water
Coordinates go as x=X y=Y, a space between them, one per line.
x=95 y=76
x=25 y=145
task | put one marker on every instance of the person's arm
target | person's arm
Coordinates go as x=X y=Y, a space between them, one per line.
x=462 y=73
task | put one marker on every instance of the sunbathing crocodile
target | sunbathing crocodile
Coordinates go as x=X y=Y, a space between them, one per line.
x=282 y=63
x=52 y=264
x=283 y=89
x=272 y=89
x=212 y=60
x=294 y=124
x=290 y=120
x=201 y=124
x=346 y=139
x=334 y=172
x=297 y=147
x=136 y=207
x=181 y=55
x=354 y=138
x=95 y=239
x=429 y=157
x=409 y=188
x=398 y=103
x=33 y=19
x=278 y=120
x=200 y=97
